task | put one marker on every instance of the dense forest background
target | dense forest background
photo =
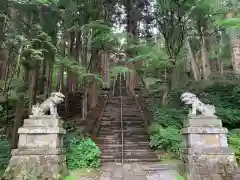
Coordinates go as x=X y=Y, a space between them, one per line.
x=171 y=46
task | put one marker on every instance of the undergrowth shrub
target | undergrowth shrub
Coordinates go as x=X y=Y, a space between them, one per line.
x=82 y=152
x=234 y=143
x=5 y=153
x=167 y=116
x=165 y=139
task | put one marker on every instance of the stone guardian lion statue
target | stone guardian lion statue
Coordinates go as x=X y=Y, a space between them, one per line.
x=49 y=104
x=197 y=106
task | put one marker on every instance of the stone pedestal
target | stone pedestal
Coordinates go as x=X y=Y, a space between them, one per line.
x=206 y=151
x=40 y=152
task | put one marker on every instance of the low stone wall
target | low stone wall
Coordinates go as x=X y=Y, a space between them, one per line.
x=40 y=152
x=206 y=150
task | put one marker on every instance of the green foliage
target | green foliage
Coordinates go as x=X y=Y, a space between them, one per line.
x=165 y=128
x=165 y=139
x=69 y=178
x=73 y=66
x=167 y=116
x=180 y=178
x=231 y=22
x=5 y=153
x=151 y=53
x=37 y=49
x=234 y=143
x=81 y=152
x=118 y=69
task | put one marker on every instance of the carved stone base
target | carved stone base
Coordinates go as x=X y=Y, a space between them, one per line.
x=202 y=121
x=40 y=152
x=35 y=166
x=207 y=155
x=210 y=166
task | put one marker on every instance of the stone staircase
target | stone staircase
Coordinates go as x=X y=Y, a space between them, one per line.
x=136 y=142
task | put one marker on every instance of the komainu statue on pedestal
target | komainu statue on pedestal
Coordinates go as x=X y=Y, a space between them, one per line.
x=49 y=104
x=197 y=106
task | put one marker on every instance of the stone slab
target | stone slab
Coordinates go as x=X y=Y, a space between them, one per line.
x=41 y=130
x=129 y=175
x=33 y=141
x=126 y=172
x=42 y=166
x=204 y=130
x=107 y=174
x=39 y=151
x=117 y=172
x=49 y=117
x=200 y=166
x=205 y=140
x=202 y=121
x=141 y=177
x=43 y=122
x=208 y=151
x=163 y=175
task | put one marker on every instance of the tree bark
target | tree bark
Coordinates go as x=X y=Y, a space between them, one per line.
x=17 y=120
x=194 y=67
x=205 y=63
x=60 y=78
x=32 y=89
x=48 y=84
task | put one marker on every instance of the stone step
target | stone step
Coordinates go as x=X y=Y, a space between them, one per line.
x=119 y=132
x=138 y=156
x=111 y=119
x=127 y=144
x=129 y=160
x=125 y=141
x=126 y=129
x=125 y=122
x=126 y=136
x=118 y=141
x=138 y=138
x=127 y=151
x=125 y=126
x=126 y=132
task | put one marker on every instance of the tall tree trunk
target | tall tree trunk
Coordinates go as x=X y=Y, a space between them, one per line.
x=71 y=54
x=43 y=76
x=236 y=54
x=32 y=89
x=17 y=120
x=60 y=76
x=170 y=77
x=3 y=62
x=48 y=85
x=76 y=56
x=205 y=63
x=235 y=41
x=26 y=75
x=93 y=88
x=194 y=67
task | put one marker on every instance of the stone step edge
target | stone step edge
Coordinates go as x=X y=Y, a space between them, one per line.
x=38 y=151
x=41 y=130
